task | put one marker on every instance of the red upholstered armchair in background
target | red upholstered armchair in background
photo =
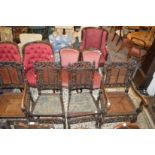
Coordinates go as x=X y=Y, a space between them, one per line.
x=95 y=38
x=9 y=52
x=36 y=52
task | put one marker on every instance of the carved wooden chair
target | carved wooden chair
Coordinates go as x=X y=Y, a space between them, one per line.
x=48 y=107
x=95 y=38
x=37 y=51
x=118 y=87
x=13 y=105
x=82 y=105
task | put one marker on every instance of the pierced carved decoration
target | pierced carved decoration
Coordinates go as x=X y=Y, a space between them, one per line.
x=81 y=75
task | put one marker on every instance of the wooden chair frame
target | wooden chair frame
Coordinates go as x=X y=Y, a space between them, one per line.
x=126 y=83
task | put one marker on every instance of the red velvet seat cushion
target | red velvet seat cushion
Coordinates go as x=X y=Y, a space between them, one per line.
x=9 y=52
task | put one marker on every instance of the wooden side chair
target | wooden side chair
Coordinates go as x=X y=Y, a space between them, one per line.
x=82 y=105
x=48 y=107
x=117 y=81
x=13 y=105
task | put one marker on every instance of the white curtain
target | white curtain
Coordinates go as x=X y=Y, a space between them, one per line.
x=151 y=87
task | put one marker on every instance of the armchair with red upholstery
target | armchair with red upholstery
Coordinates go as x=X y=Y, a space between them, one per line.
x=36 y=52
x=9 y=52
x=95 y=38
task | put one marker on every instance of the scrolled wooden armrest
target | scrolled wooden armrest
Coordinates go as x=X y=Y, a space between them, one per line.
x=144 y=101
x=24 y=97
x=144 y=43
x=108 y=104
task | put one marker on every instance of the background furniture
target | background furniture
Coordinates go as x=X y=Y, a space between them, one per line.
x=35 y=52
x=26 y=38
x=67 y=56
x=6 y=34
x=95 y=38
x=17 y=30
x=43 y=30
x=144 y=75
x=92 y=56
x=143 y=39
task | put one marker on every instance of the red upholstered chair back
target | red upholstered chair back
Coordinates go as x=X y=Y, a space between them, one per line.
x=69 y=56
x=9 y=52
x=37 y=52
x=93 y=38
x=92 y=56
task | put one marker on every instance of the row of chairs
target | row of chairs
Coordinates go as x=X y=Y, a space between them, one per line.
x=42 y=73
x=107 y=107
x=42 y=52
x=47 y=107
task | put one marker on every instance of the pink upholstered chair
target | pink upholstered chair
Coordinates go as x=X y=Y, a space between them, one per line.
x=95 y=38
x=93 y=56
x=36 y=52
x=9 y=52
x=67 y=56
